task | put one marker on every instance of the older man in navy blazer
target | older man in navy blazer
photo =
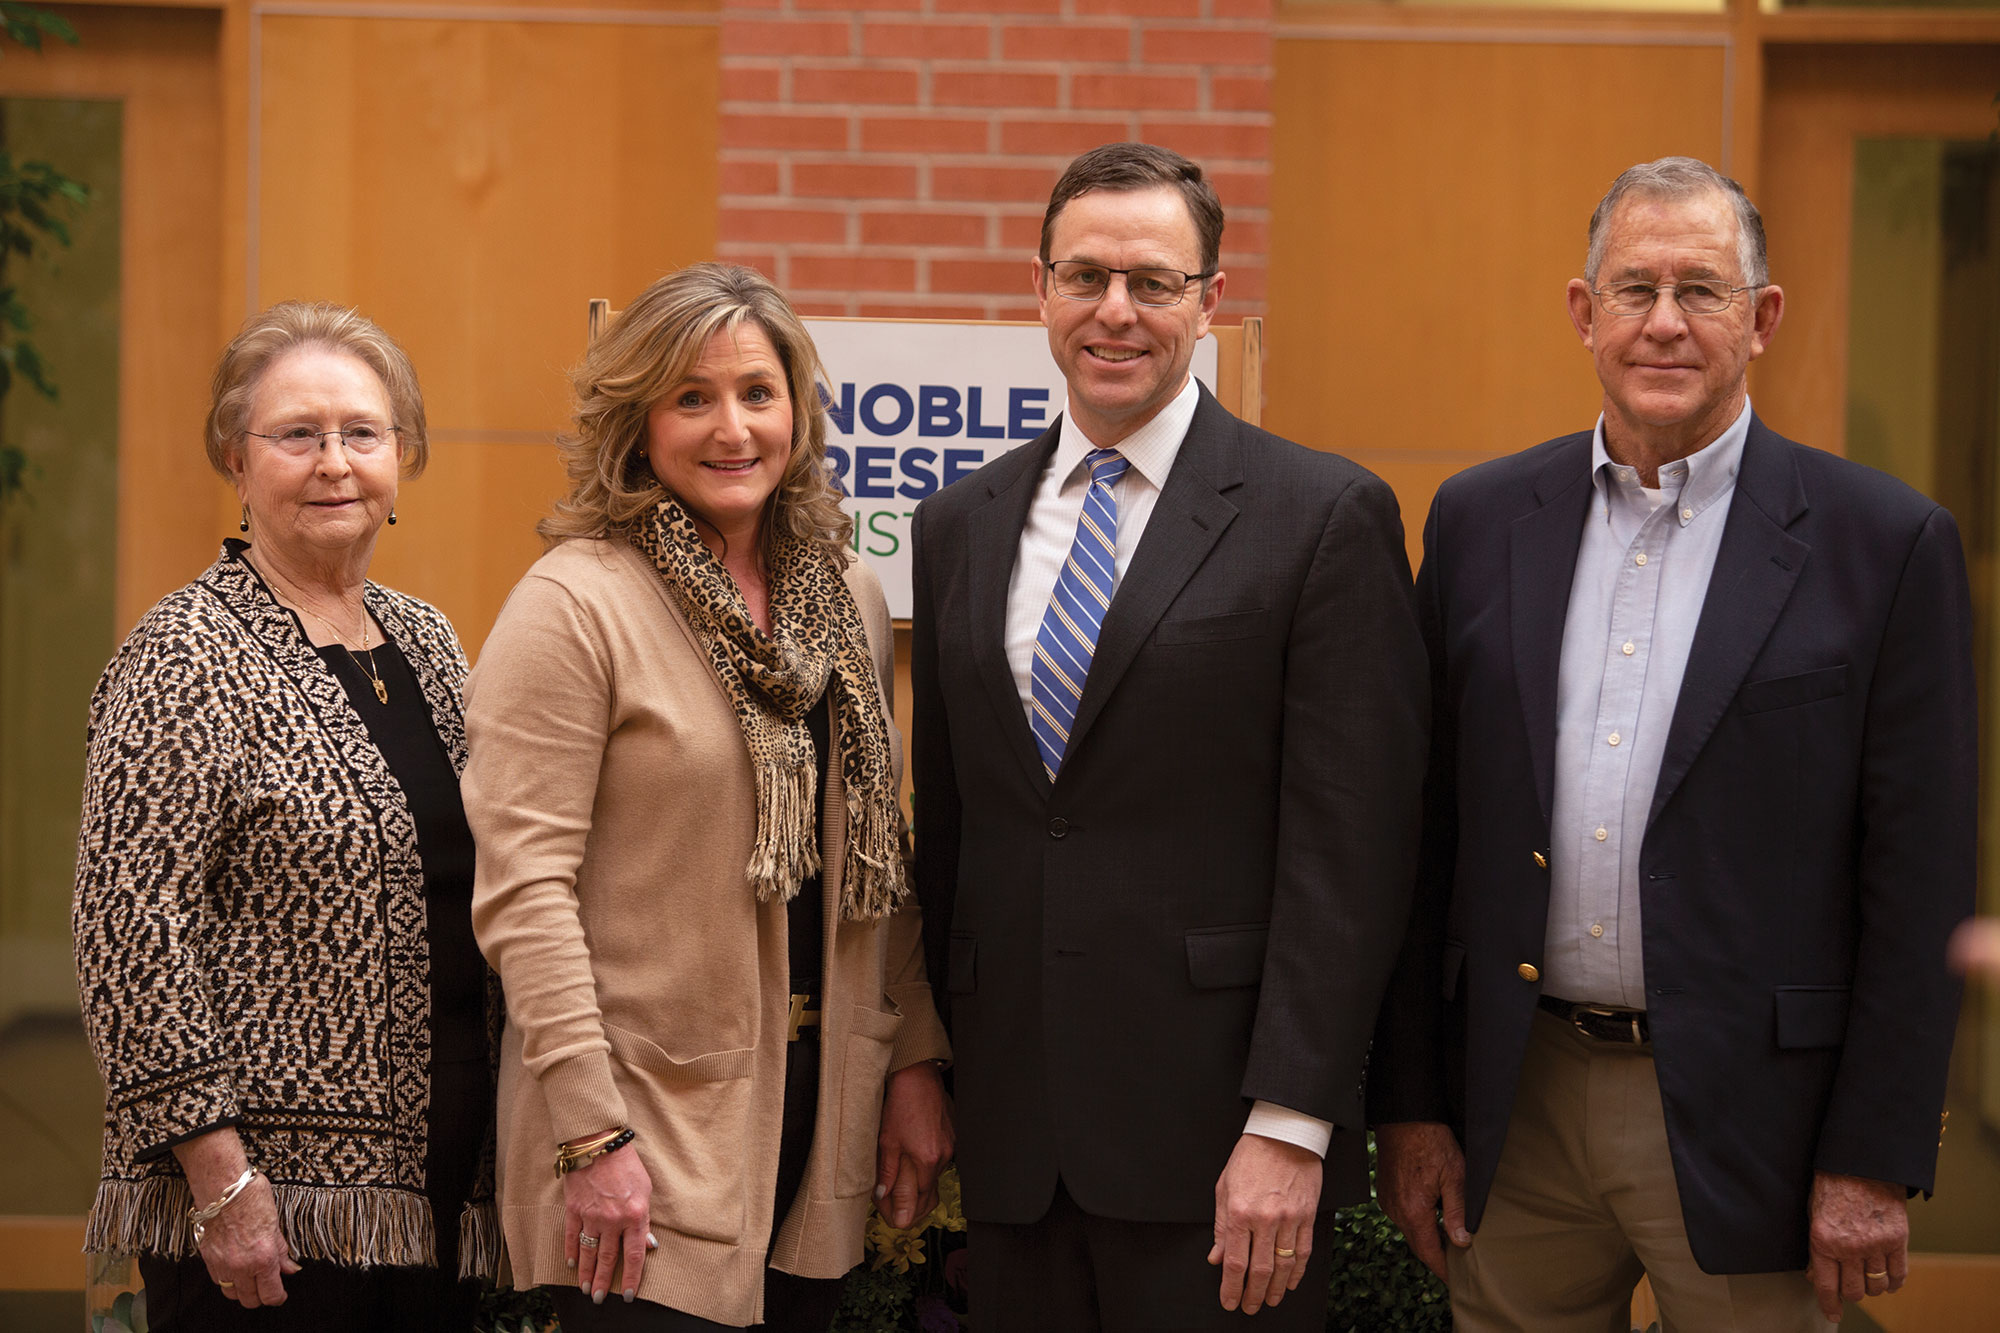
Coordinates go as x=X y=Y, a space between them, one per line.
x=1699 y=820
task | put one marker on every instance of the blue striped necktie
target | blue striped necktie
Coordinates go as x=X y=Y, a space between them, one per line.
x=1076 y=611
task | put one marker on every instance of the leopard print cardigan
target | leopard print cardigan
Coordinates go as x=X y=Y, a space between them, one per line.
x=249 y=924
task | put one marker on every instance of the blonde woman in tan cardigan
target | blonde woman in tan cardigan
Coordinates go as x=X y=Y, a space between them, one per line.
x=683 y=784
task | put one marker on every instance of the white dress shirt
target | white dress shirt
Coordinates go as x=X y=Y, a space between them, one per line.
x=1046 y=539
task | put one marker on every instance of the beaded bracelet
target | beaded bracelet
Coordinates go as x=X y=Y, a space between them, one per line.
x=570 y=1157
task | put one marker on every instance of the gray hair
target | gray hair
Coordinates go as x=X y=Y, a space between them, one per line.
x=1678 y=178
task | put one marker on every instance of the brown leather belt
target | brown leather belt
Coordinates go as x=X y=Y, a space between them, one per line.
x=1602 y=1022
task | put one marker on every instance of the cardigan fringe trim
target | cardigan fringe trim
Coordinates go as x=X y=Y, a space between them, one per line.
x=479 y=1241
x=359 y=1227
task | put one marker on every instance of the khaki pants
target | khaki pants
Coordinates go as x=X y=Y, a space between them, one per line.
x=1584 y=1202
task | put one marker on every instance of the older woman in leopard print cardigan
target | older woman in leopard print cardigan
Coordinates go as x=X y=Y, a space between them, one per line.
x=272 y=911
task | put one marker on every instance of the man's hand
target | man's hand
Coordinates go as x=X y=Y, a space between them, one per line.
x=1860 y=1239
x=1420 y=1172
x=1264 y=1204
x=915 y=1142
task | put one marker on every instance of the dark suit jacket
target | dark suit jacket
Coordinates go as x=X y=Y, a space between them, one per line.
x=1204 y=908
x=1809 y=849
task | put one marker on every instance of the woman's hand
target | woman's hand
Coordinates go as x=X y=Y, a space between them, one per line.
x=915 y=1142
x=243 y=1247
x=610 y=1201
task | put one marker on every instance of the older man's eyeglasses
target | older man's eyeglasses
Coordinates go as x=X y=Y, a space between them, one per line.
x=1701 y=297
x=363 y=437
x=1077 y=281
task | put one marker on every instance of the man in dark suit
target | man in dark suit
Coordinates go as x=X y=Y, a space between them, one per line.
x=1699 y=820
x=1168 y=756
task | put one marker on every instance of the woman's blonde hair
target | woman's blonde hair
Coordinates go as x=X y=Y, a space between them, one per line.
x=652 y=346
x=289 y=326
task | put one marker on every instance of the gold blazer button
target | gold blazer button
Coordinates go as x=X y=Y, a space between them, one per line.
x=1541 y=861
x=1529 y=972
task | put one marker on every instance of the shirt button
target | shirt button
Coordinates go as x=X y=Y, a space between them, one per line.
x=1687 y=513
x=1626 y=648
x=1612 y=739
x=1602 y=833
x=1639 y=559
x=1058 y=827
x=1596 y=931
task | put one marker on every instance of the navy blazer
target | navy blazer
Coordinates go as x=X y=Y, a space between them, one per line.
x=1810 y=847
x=1204 y=907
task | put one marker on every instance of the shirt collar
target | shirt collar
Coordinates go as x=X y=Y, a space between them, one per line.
x=1703 y=477
x=1150 y=450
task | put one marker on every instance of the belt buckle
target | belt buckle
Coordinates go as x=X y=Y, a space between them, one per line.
x=1630 y=1016
x=801 y=1016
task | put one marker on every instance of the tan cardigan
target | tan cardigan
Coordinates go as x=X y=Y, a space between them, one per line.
x=609 y=789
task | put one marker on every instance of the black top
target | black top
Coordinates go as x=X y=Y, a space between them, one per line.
x=405 y=733
x=805 y=915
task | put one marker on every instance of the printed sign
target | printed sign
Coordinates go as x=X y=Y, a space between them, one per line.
x=912 y=407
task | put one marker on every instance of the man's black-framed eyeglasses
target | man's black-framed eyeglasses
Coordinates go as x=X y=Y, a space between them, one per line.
x=1076 y=280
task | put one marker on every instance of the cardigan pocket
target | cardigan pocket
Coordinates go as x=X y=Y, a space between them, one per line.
x=870 y=1035
x=693 y=1120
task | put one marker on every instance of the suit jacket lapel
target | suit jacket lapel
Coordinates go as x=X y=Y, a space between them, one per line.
x=1754 y=572
x=1542 y=566
x=993 y=538
x=1187 y=520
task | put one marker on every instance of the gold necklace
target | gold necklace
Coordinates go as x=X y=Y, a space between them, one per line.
x=374 y=676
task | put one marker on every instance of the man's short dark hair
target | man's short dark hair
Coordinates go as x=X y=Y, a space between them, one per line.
x=1141 y=166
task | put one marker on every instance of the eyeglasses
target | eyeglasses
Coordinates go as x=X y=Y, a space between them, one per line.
x=1077 y=281
x=1694 y=298
x=363 y=437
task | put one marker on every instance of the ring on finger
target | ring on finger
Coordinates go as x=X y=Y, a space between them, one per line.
x=588 y=1242
x=1882 y=1276
x=225 y=1285
x=1284 y=1253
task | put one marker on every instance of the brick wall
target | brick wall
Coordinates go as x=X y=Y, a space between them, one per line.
x=893 y=158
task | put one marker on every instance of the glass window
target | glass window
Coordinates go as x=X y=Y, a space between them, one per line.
x=58 y=548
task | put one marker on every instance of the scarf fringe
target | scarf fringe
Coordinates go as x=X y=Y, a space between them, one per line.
x=873 y=887
x=787 y=853
x=357 y=1227
x=479 y=1241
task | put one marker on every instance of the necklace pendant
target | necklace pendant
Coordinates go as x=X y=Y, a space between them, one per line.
x=381 y=690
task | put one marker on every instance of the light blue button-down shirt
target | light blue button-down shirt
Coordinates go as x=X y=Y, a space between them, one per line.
x=1642 y=573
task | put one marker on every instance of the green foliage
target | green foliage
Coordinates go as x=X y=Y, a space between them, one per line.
x=27 y=25
x=126 y=1315
x=877 y=1300
x=504 y=1310
x=34 y=201
x=1377 y=1285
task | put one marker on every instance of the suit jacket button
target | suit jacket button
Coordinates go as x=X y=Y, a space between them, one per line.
x=1541 y=861
x=1058 y=827
x=1529 y=972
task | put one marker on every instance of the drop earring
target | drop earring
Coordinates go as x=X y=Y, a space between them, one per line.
x=392 y=516
x=243 y=523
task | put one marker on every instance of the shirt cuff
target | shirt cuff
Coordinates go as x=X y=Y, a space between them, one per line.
x=1282 y=1123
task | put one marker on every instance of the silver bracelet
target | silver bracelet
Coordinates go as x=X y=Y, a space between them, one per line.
x=201 y=1217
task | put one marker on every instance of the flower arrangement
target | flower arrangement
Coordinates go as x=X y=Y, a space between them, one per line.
x=913 y=1279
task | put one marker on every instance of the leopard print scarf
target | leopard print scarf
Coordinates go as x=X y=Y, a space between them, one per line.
x=817 y=644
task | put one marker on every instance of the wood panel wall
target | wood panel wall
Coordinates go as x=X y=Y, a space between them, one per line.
x=501 y=169
x=1431 y=200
